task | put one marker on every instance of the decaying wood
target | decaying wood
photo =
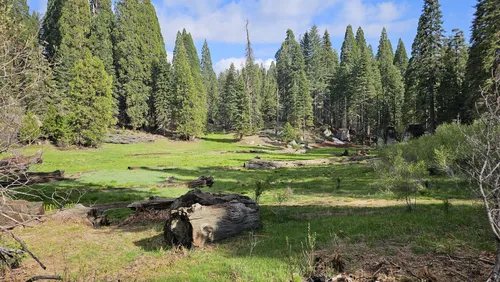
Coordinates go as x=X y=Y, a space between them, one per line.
x=202 y=181
x=45 y=277
x=14 y=212
x=257 y=163
x=198 y=217
x=30 y=178
x=82 y=214
x=19 y=162
x=153 y=203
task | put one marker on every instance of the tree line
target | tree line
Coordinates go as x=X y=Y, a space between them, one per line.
x=96 y=67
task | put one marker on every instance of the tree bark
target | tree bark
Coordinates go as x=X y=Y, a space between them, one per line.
x=198 y=217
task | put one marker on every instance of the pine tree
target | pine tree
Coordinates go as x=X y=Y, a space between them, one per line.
x=228 y=96
x=138 y=46
x=89 y=101
x=451 y=98
x=189 y=122
x=269 y=96
x=210 y=83
x=426 y=63
x=483 y=56
x=101 y=30
x=312 y=50
x=392 y=85
x=401 y=58
x=364 y=91
x=343 y=91
x=162 y=91
x=251 y=78
x=50 y=34
x=330 y=65
x=293 y=85
x=242 y=119
x=194 y=62
x=74 y=29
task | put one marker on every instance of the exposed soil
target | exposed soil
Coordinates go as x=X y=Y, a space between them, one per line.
x=393 y=262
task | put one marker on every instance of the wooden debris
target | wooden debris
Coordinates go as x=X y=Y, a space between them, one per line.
x=153 y=203
x=82 y=214
x=14 y=212
x=198 y=217
x=202 y=181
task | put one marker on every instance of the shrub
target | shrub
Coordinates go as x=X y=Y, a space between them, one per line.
x=403 y=178
x=55 y=127
x=30 y=128
x=288 y=133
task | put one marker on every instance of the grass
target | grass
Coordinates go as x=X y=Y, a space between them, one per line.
x=365 y=217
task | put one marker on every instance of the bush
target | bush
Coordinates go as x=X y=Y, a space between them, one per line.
x=404 y=178
x=30 y=128
x=288 y=133
x=55 y=127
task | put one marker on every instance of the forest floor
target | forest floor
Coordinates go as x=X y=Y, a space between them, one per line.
x=310 y=223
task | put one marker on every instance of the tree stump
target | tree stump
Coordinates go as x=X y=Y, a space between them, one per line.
x=198 y=217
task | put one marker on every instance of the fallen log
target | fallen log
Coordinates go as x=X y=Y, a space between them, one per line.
x=19 y=163
x=82 y=214
x=29 y=178
x=153 y=203
x=198 y=217
x=202 y=181
x=257 y=163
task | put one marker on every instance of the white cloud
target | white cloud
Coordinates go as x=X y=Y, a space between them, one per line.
x=218 y=22
x=371 y=17
x=224 y=64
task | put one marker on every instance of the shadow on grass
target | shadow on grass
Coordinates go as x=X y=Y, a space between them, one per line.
x=220 y=140
x=429 y=229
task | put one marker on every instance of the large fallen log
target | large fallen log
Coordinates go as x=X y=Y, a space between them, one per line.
x=257 y=163
x=198 y=217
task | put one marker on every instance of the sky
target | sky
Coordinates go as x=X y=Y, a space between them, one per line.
x=222 y=22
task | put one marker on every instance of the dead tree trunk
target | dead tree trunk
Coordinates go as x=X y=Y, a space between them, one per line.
x=198 y=217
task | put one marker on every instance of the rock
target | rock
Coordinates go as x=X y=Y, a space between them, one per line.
x=293 y=143
x=338 y=141
x=327 y=132
x=343 y=134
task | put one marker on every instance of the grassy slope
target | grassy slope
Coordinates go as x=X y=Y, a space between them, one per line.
x=359 y=212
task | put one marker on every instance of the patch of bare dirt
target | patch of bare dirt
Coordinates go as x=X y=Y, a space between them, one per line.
x=390 y=262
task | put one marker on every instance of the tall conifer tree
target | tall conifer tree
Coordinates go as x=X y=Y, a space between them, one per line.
x=401 y=58
x=138 y=46
x=101 y=30
x=210 y=83
x=451 y=98
x=189 y=123
x=392 y=84
x=483 y=63
x=426 y=63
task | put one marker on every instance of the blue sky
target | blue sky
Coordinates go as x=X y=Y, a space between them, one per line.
x=222 y=22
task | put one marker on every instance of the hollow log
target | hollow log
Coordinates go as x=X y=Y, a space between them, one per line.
x=82 y=214
x=198 y=217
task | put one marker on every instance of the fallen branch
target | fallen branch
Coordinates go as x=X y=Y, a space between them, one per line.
x=23 y=245
x=148 y=154
x=44 y=277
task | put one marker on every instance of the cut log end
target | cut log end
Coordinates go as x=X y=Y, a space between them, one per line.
x=199 y=217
